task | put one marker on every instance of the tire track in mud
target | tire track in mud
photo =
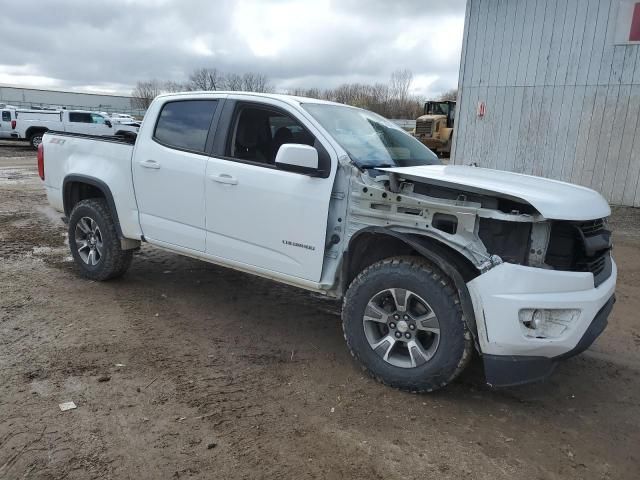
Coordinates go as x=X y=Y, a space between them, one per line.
x=226 y=389
x=28 y=226
x=239 y=386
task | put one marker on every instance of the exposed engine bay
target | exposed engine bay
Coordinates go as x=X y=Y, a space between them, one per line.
x=488 y=228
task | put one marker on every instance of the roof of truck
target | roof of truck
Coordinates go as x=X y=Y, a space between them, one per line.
x=291 y=99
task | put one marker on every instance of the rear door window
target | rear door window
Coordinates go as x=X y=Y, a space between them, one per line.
x=185 y=124
x=80 y=117
x=6 y=116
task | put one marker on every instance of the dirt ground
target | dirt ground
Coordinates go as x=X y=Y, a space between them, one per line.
x=182 y=369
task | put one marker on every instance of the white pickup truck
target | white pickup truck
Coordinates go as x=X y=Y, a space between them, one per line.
x=32 y=124
x=8 y=122
x=431 y=261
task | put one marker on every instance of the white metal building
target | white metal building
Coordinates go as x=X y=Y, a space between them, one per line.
x=34 y=97
x=552 y=88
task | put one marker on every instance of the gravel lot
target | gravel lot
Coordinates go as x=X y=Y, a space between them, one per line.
x=187 y=370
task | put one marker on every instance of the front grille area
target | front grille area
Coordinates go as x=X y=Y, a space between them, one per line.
x=424 y=128
x=596 y=266
x=580 y=247
x=593 y=227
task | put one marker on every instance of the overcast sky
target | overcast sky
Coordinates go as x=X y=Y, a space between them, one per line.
x=108 y=46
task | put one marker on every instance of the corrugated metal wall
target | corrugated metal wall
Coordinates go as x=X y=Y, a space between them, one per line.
x=562 y=99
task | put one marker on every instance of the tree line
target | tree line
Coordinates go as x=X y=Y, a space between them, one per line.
x=201 y=79
x=391 y=99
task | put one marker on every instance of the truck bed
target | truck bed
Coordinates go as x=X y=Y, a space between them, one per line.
x=70 y=157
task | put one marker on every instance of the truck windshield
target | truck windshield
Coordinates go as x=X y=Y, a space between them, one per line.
x=436 y=108
x=371 y=141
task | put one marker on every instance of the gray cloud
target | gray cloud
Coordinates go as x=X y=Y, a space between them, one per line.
x=111 y=45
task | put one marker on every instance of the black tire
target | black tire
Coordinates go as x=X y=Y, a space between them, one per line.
x=35 y=139
x=417 y=275
x=113 y=261
x=447 y=148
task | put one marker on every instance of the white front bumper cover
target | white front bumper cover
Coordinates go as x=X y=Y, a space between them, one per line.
x=510 y=356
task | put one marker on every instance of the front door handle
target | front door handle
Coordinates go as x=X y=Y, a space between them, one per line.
x=224 y=178
x=150 y=164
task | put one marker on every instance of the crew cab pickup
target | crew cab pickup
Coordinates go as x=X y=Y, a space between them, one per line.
x=32 y=124
x=431 y=261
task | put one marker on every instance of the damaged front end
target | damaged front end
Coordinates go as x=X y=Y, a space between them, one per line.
x=543 y=285
x=569 y=246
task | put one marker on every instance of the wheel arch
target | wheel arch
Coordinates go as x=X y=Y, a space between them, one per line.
x=372 y=244
x=35 y=129
x=80 y=187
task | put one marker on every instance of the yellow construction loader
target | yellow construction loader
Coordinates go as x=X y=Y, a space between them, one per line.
x=435 y=127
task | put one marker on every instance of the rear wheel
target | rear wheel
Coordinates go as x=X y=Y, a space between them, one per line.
x=403 y=322
x=35 y=139
x=94 y=241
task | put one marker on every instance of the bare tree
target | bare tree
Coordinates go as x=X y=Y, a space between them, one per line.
x=233 y=82
x=205 y=79
x=400 y=84
x=308 y=92
x=171 y=87
x=391 y=99
x=144 y=93
x=451 y=95
x=255 y=82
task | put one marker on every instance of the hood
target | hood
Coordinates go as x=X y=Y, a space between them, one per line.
x=423 y=118
x=552 y=198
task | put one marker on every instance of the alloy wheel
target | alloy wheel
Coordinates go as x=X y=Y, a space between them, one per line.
x=88 y=240
x=401 y=328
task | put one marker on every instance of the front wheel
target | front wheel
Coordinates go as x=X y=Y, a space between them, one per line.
x=403 y=322
x=94 y=241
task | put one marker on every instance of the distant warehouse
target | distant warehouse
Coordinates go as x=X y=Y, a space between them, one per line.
x=41 y=98
x=552 y=88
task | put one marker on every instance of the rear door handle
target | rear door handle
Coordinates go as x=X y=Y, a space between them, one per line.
x=224 y=178
x=150 y=164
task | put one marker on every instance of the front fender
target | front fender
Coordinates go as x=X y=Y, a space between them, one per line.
x=439 y=256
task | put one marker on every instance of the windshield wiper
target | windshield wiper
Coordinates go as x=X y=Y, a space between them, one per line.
x=384 y=165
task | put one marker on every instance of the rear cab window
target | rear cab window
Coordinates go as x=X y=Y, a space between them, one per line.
x=185 y=124
x=6 y=116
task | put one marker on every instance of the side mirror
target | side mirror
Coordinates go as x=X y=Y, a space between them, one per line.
x=108 y=123
x=299 y=158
